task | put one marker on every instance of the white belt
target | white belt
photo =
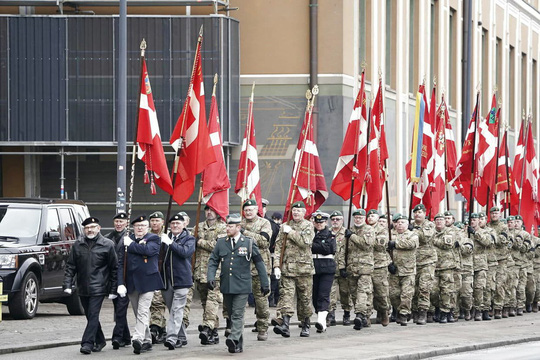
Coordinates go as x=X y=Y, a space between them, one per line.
x=319 y=256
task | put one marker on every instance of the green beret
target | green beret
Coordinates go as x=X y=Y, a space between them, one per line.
x=396 y=217
x=448 y=213
x=459 y=224
x=475 y=216
x=401 y=217
x=249 y=202
x=299 y=205
x=511 y=218
x=360 y=212
x=157 y=215
x=495 y=208
x=482 y=214
x=183 y=213
x=439 y=215
x=234 y=219
x=383 y=216
x=372 y=211
x=419 y=207
x=518 y=217
x=336 y=213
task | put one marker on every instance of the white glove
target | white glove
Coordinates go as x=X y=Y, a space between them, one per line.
x=112 y=296
x=68 y=291
x=127 y=241
x=165 y=239
x=286 y=228
x=122 y=291
x=277 y=273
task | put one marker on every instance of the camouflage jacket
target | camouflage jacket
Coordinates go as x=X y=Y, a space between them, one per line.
x=340 y=245
x=381 y=258
x=502 y=245
x=456 y=232
x=260 y=230
x=405 y=252
x=536 y=261
x=206 y=241
x=466 y=251
x=490 y=251
x=482 y=241
x=426 y=253
x=297 y=258
x=522 y=244
x=444 y=241
x=360 y=256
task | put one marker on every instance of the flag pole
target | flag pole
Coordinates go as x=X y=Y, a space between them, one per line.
x=471 y=199
x=509 y=184
x=526 y=135
x=497 y=152
x=443 y=118
x=367 y=157
x=245 y=196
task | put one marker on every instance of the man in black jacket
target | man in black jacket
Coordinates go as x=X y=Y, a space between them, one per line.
x=121 y=335
x=93 y=260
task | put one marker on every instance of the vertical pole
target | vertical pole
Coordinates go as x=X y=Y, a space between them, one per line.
x=62 y=175
x=122 y=110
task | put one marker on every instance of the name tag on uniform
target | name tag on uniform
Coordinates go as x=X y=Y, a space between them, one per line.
x=242 y=251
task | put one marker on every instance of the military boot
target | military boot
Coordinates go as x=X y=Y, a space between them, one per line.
x=347 y=318
x=393 y=317
x=505 y=312
x=331 y=318
x=498 y=314
x=162 y=336
x=154 y=332
x=384 y=318
x=283 y=328
x=205 y=334
x=306 y=324
x=529 y=308
x=422 y=318
x=519 y=312
x=443 y=319
x=535 y=306
x=485 y=315
x=429 y=318
x=450 y=317
x=477 y=315
x=414 y=316
x=512 y=312
x=461 y=314
x=402 y=319
x=467 y=315
x=252 y=330
x=358 y=321
x=321 y=321
x=436 y=315
x=215 y=336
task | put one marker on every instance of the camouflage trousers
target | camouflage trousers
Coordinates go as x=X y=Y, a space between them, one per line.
x=500 y=285
x=530 y=289
x=261 y=304
x=401 y=291
x=490 y=285
x=361 y=287
x=157 y=310
x=536 y=275
x=425 y=276
x=510 y=297
x=381 y=300
x=442 y=292
x=187 y=308
x=457 y=287
x=297 y=288
x=521 y=286
x=341 y=286
x=210 y=300
x=479 y=292
x=466 y=290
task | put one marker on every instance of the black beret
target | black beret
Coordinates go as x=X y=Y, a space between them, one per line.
x=90 y=220
x=120 y=215
x=138 y=219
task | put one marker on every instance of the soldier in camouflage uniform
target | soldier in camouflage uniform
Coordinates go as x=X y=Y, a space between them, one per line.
x=536 y=274
x=522 y=245
x=209 y=231
x=296 y=271
x=510 y=303
x=260 y=230
x=449 y=223
x=501 y=254
x=482 y=241
x=381 y=260
x=492 y=267
x=340 y=284
x=466 y=247
x=530 y=288
x=426 y=258
x=403 y=245
x=443 y=285
x=357 y=264
x=158 y=322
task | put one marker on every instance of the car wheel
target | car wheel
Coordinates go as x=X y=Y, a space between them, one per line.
x=24 y=304
x=74 y=306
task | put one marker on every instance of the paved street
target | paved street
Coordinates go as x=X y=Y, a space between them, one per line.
x=54 y=327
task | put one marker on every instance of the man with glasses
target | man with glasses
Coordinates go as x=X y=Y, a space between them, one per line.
x=94 y=264
x=140 y=278
x=157 y=308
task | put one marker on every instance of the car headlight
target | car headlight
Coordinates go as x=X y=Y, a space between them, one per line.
x=8 y=261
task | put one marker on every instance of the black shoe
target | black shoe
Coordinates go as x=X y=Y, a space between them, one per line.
x=146 y=347
x=99 y=347
x=170 y=345
x=233 y=347
x=346 y=318
x=205 y=335
x=283 y=328
x=358 y=322
x=154 y=332
x=254 y=328
x=117 y=344
x=528 y=308
x=137 y=346
x=215 y=336
x=86 y=350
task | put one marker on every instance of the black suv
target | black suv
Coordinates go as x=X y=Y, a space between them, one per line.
x=36 y=236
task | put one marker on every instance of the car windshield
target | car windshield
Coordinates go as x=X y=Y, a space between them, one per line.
x=19 y=224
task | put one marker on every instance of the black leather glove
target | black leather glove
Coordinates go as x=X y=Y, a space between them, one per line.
x=265 y=290
x=391 y=226
x=392 y=268
x=348 y=233
x=211 y=285
x=411 y=227
x=391 y=245
x=456 y=244
x=470 y=230
x=343 y=273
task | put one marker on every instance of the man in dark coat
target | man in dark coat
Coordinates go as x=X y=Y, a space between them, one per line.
x=94 y=264
x=140 y=278
x=236 y=252
x=121 y=335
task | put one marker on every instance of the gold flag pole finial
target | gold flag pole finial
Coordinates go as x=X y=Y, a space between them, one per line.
x=434 y=81
x=200 y=33
x=252 y=91
x=143 y=46
x=215 y=84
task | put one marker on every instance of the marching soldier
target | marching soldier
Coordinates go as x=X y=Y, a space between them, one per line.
x=449 y=223
x=297 y=273
x=237 y=253
x=482 y=241
x=522 y=245
x=260 y=230
x=466 y=248
x=510 y=305
x=341 y=284
x=426 y=258
x=492 y=266
x=403 y=245
x=501 y=256
x=357 y=265
x=530 y=288
x=381 y=260
x=158 y=321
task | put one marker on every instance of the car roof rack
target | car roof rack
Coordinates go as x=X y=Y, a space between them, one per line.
x=41 y=201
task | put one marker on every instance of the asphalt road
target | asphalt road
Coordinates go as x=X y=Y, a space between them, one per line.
x=528 y=351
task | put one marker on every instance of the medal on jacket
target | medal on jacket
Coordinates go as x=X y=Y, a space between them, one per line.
x=145 y=259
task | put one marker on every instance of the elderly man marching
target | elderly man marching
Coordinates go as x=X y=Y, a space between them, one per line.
x=260 y=230
x=357 y=265
x=296 y=273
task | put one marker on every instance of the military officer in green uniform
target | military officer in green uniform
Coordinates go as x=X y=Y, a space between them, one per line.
x=236 y=253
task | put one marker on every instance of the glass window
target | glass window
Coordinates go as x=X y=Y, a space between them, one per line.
x=68 y=224
x=53 y=223
x=19 y=224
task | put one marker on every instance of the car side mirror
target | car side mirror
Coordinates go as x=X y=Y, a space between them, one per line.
x=51 y=236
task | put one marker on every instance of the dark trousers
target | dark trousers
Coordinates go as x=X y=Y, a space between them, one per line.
x=236 y=307
x=274 y=290
x=121 y=328
x=322 y=284
x=93 y=333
